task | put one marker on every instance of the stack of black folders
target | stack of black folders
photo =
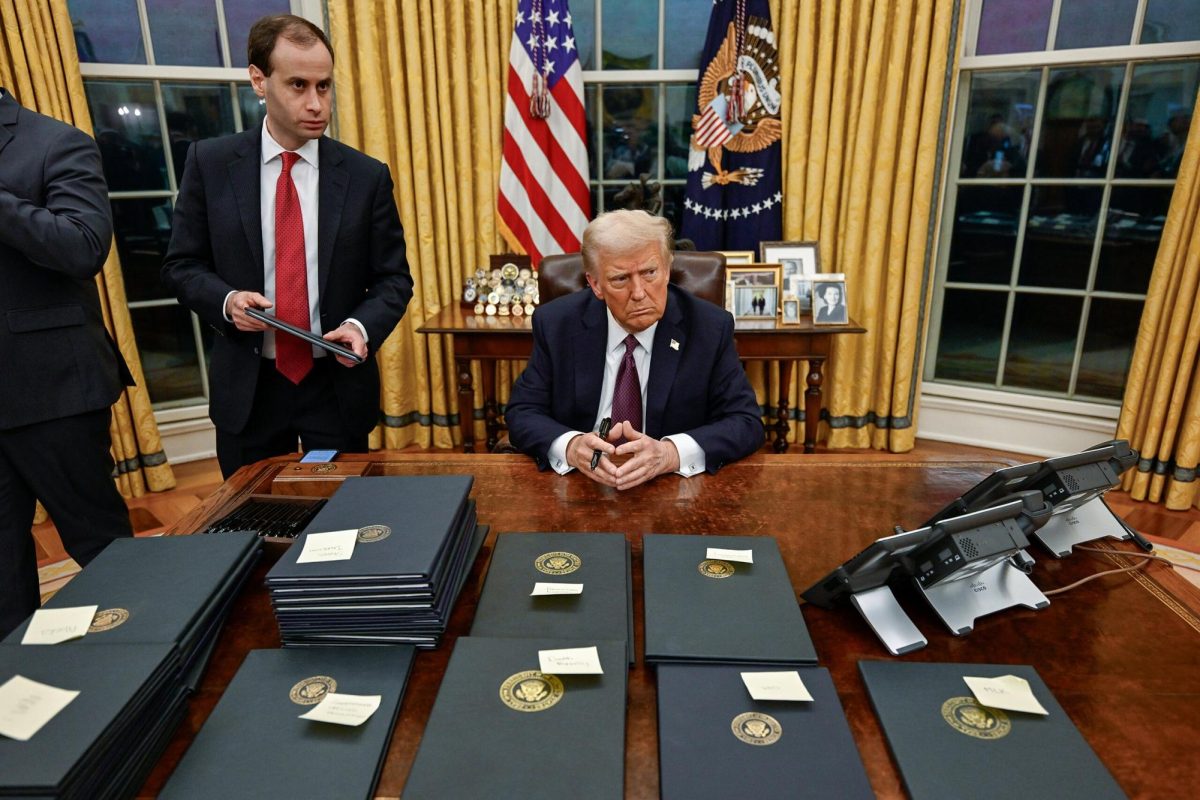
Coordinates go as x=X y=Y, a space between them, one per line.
x=254 y=744
x=602 y=609
x=161 y=602
x=502 y=728
x=416 y=540
x=947 y=744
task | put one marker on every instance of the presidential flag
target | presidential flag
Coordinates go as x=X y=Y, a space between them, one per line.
x=544 y=202
x=734 y=199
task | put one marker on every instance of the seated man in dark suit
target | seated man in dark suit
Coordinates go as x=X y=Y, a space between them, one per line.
x=658 y=361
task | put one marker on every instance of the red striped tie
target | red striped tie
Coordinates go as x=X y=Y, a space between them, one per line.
x=293 y=356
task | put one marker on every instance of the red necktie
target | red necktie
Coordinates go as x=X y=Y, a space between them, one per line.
x=627 y=394
x=293 y=355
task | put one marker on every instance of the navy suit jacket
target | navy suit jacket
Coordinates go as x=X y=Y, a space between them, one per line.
x=216 y=247
x=698 y=388
x=56 y=358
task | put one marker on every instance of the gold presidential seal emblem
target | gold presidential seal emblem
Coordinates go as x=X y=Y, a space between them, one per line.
x=311 y=691
x=967 y=716
x=373 y=533
x=715 y=568
x=531 y=690
x=557 y=563
x=108 y=619
x=757 y=729
x=320 y=469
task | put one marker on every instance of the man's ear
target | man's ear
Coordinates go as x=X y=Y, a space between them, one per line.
x=595 y=285
x=257 y=79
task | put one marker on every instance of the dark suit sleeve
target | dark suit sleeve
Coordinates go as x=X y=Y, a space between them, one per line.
x=188 y=269
x=72 y=231
x=735 y=429
x=531 y=428
x=391 y=282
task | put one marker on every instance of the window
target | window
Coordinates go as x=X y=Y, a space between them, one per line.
x=160 y=74
x=640 y=61
x=1070 y=123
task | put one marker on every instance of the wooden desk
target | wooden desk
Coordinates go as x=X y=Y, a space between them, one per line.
x=491 y=339
x=1119 y=653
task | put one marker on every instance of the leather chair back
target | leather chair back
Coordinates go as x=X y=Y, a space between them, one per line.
x=701 y=273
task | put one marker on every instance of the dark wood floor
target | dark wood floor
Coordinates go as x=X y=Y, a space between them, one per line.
x=196 y=480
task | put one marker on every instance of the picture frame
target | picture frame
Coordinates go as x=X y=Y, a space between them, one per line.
x=829 y=299
x=737 y=257
x=790 y=312
x=799 y=261
x=752 y=291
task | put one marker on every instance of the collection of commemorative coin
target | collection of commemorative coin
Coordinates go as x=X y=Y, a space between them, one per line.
x=502 y=292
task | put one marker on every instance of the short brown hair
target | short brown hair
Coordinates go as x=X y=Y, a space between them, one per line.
x=266 y=32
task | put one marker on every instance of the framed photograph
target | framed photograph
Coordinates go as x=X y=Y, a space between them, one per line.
x=800 y=261
x=752 y=291
x=791 y=311
x=829 y=299
x=737 y=257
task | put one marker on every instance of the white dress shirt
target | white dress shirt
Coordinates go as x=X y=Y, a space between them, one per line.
x=691 y=456
x=306 y=177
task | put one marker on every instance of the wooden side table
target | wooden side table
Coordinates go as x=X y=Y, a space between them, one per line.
x=491 y=339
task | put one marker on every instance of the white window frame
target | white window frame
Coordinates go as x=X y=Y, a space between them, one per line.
x=659 y=78
x=1022 y=421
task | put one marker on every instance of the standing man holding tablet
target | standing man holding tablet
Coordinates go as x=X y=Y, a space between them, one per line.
x=281 y=217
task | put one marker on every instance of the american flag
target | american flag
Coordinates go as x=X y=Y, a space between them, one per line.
x=544 y=200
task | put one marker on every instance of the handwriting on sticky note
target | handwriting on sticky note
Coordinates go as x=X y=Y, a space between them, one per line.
x=570 y=661
x=54 y=625
x=742 y=556
x=26 y=705
x=776 y=686
x=541 y=589
x=330 y=546
x=1009 y=692
x=344 y=709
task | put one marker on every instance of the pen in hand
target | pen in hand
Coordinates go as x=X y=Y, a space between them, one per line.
x=605 y=424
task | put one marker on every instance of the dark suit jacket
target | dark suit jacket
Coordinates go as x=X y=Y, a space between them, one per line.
x=699 y=389
x=216 y=248
x=56 y=358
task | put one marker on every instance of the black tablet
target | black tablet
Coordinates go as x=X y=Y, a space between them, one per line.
x=308 y=336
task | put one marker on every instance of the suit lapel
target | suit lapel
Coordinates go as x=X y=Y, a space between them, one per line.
x=664 y=361
x=588 y=345
x=245 y=176
x=332 y=180
x=8 y=117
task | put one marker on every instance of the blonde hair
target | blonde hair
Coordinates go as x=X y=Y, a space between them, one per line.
x=617 y=233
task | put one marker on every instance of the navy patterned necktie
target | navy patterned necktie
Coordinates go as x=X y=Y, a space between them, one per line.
x=627 y=394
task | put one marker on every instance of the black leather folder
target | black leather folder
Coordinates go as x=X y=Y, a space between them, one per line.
x=254 y=744
x=169 y=585
x=946 y=745
x=422 y=512
x=748 y=616
x=172 y=589
x=477 y=746
x=123 y=689
x=506 y=608
x=801 y=750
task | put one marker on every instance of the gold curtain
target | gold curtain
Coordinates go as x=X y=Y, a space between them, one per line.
x=865 y=84
x=420 y=86
x=1160 y=415
x=38 y=64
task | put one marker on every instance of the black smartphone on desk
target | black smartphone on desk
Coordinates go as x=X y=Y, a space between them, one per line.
x=308 y=336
